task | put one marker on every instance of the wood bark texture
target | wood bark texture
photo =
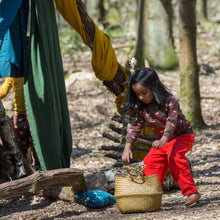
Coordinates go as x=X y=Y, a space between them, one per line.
x=40 y=180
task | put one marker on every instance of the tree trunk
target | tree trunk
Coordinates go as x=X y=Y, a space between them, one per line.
x=101 y=18
x=91 y=6
x=142 y=32
x=11 y=163
x=204 y=9
x=155 y=35
x=189 y=72
x=201 y=10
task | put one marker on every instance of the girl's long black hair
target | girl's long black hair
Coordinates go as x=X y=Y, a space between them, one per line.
x=148 y=78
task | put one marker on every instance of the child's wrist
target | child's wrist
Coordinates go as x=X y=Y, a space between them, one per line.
x=165 y=138
x=128 y=146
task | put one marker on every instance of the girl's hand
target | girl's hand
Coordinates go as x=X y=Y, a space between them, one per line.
x=127 y=153
x=160 y=143
x=156 y=144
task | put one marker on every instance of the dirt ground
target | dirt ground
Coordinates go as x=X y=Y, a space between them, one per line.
x=91 y=107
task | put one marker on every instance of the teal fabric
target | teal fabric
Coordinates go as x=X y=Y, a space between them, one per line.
x=13 y=30
x=8 y=11
x=45 y=93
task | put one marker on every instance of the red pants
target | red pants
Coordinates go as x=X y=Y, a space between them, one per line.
x=172 y=156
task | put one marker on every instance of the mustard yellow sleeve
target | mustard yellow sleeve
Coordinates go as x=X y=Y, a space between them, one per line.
x=5 y=88
x=19 y=102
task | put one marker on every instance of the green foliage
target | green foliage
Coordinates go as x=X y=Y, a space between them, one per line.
x=140 y=57
x=115 y=32
x=131 y=50
x=170 y=61
x=70 y=42
x=186 y=90
x=67 y=75
x=113 y=16
x=198 y=131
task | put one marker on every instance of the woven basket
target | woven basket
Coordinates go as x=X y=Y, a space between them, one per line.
x=137 y=193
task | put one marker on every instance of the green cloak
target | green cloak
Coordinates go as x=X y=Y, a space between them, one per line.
x=45 y=92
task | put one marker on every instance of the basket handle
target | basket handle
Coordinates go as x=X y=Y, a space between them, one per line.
x=131 y=171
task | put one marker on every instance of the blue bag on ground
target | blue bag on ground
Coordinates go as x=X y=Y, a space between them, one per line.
x=96 y=198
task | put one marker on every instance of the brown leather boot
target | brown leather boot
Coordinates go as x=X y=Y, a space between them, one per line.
x=192 y=198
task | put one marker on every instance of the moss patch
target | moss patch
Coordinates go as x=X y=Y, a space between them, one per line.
x=170 y=61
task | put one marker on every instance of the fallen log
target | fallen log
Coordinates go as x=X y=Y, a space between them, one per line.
x=117 y=156
x=149 y=137
x=117 y=118
x=113 y=127
x=114 y=155
x=142 y=148
x=120 y=149
x=109 y=148
x=110 y=137
x=41 y=180
x=143 y=141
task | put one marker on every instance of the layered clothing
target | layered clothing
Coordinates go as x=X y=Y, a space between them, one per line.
x=168 y=121
x=13 y=44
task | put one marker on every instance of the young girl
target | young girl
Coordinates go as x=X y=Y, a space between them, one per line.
x=158 y=109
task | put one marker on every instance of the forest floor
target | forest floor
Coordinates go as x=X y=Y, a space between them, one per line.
x=91 y=107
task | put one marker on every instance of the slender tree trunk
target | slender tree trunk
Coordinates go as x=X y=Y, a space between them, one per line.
x=202 y=13
x=169 y=11
x=204 y=9
x=189 y=72
x=154 y=35
x=141 y=47
x=102 y=13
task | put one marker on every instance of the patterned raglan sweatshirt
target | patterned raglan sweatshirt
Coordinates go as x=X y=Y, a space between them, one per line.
x=168 y=121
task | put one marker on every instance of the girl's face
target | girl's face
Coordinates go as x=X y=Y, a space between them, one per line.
x=143 y=93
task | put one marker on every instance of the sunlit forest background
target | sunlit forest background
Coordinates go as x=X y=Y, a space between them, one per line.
x=149 y=29
x=183 y=46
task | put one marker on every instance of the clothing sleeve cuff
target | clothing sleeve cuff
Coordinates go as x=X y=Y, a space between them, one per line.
x=130 y=141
